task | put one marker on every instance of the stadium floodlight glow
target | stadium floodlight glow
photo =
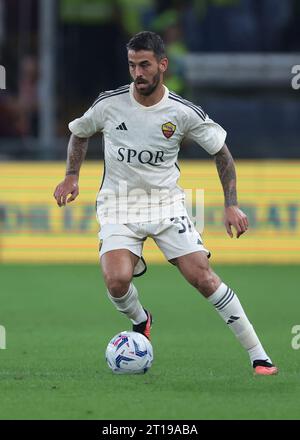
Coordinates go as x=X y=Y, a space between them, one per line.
x=2 y=78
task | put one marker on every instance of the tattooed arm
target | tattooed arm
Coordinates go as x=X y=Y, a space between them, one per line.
x=233 y=215
x=226 y=171
x=77 y=149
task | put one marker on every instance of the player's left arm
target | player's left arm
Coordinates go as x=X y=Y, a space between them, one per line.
x=233 y=216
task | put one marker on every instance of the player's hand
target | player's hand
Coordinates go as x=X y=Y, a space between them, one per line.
x=68 y=186
x=235 y=217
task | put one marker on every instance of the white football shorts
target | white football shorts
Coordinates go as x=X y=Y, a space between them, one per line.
x=175 y=237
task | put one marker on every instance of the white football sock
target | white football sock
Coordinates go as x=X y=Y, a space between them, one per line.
x=229 y=307
x=130 y=305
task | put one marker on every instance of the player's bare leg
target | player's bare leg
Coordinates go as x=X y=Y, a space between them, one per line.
x=195 y=268
x=117 y=267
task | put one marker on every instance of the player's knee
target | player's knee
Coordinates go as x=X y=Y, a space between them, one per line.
x=117 y=284
x=205 y=281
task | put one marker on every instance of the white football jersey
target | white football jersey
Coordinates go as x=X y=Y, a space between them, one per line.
x=141 y=146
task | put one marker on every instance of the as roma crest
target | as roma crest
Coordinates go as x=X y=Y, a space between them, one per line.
x=168 y=129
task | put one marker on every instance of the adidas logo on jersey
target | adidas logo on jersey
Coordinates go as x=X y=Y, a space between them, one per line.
x=121 y=126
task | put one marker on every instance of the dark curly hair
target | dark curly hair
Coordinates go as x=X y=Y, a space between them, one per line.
x=147 y=40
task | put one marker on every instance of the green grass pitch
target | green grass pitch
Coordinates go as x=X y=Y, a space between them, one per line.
x=58 y=322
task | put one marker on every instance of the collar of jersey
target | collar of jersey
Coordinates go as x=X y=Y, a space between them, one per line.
x=151 y=107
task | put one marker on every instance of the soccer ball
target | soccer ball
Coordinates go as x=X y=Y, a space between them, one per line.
x=129 y=353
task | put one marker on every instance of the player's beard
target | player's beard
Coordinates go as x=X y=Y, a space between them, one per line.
x=147 y=91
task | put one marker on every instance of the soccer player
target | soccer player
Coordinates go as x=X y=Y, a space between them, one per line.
x=143 y=124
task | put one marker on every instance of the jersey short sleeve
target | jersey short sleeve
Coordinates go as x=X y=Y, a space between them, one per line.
x=204 y=131
x=90 y=123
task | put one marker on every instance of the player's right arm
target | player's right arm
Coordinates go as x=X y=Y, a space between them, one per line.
x=82 y=129
x=77 y=149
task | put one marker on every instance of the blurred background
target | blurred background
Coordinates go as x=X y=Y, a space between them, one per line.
x=235 y=58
